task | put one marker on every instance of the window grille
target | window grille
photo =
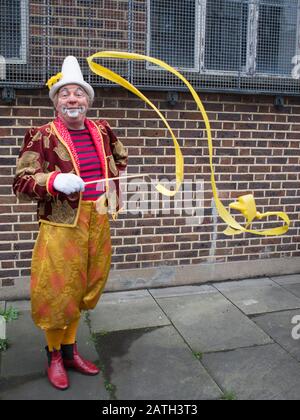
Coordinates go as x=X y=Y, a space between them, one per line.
x=225 y=36
x=277 y=37
x=219 y=45
x=165 y=21
x=13 y=30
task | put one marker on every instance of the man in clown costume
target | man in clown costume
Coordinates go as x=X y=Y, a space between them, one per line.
x=72 y=254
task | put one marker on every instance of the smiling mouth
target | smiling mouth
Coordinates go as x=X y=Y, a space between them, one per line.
x=73 y=112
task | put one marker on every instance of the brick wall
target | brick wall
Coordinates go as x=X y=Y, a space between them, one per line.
x=256 y=150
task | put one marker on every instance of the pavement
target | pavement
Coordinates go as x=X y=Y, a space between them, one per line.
x=231 y=340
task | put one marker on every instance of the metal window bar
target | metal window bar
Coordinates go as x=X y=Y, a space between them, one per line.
x=219 y=45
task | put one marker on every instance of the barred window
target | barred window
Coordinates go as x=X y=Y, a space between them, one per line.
x=173 y=31
x=226 y=35
x=277 y=37
x=14 y=30
x=235 y=37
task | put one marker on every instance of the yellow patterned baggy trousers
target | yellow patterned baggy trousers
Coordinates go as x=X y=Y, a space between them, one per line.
x=70 y=267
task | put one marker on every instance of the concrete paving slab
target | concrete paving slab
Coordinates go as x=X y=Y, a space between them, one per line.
x=153 y=364
x=294 y=289
x=283 y=280
x=279 y=326
x=290 y=395
x=26 y=354
x=37 y=388
x=126 y=310
x=258 y=373
x=181 y=291
x=258 y=296
x=290 y=283
x=209 y=322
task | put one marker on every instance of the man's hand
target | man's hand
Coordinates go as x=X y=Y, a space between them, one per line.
x=68 y=183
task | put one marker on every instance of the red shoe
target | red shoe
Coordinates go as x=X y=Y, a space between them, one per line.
x=72 y=360
x=57 y=374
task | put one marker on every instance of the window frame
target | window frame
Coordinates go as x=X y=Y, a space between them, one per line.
x=24 y=32
x=255 y=42
x=249 y=56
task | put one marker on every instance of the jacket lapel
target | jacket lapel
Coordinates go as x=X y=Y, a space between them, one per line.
x=64 y=137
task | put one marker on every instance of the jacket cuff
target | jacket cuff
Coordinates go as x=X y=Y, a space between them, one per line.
x=50 y=182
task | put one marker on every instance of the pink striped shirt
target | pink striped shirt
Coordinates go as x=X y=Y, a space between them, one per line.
x=90 y=165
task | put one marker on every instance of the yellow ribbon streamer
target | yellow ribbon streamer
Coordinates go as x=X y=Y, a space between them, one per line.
x=245 y=204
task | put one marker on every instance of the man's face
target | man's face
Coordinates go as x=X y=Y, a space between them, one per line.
x=72 y=104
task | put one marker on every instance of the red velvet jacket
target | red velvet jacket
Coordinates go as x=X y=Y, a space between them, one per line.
x=47 y=151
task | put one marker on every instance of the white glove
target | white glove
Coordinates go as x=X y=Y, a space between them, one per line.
x=68 y=183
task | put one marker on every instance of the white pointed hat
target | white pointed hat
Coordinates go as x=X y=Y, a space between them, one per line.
x=71 y=74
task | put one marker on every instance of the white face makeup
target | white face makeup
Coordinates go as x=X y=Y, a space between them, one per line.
x=72 y=105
